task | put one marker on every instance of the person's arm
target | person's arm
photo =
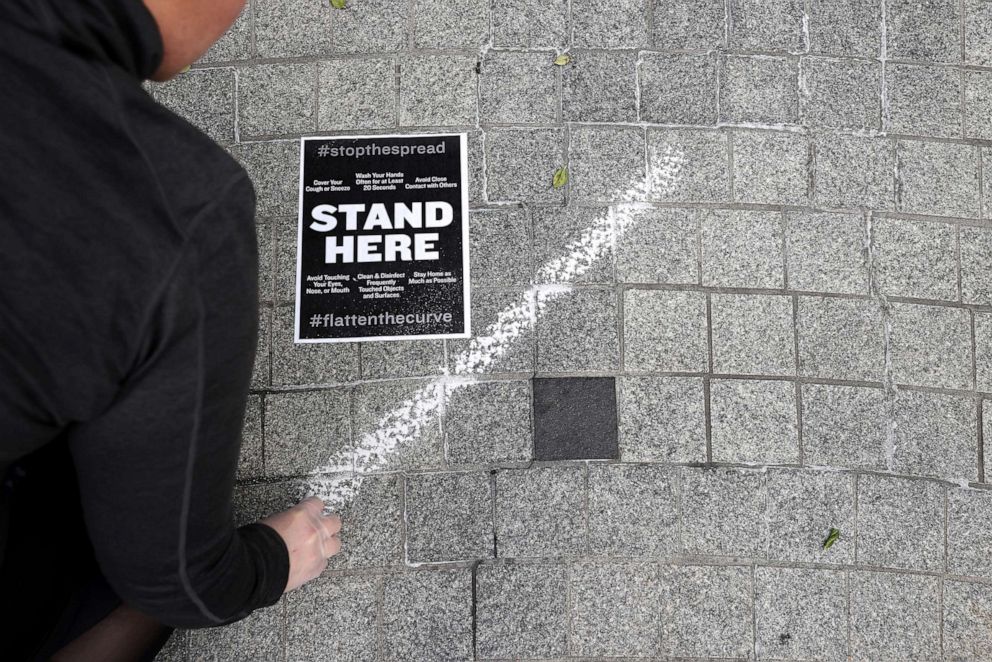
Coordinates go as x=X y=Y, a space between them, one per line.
x=157 y=468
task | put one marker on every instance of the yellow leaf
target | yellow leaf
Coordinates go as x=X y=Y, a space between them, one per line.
x=560 y=178
x=563 y=59
x=339 y=4
x=185 y=69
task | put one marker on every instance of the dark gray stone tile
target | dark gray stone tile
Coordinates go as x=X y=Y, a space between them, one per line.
x=935 y=435
x=332 y=616
x=308 y=363
x=521 y=610
x=575 y=418
x=276 y=99
x=692 y=24
x=844 y=426
x=541 y=512
x=599 y=86
x=658 y=246
x=606 y=163
x=489 y=423
x=759 y=88
x=385 y=418
x=678 y=89
x=772 y=168
x=753 y=334
x=615 y=610
x=438 y=90
x=703 y=173
x=204 y=97
x=967 y=635
x=371 y=521
x=938 y=178
x=449 y=517
x=565 y=231
x=427 y=616
x=707 y=612
x=929 y=30
x=916 y=258
x=743 y=248
x=894 y=617
x=800 y=614
x=518 y=88
x=827 y=252
x=522 y=162
x=768 y=25
x=924 y=100
x=303 y=430
x=443 y=24
x=900 y=523
x=969 y=532
x=841 y=339
x=530 y=23
x=870 y=186
x=665 y=331
x=727 y=509
x=356 y=94
x=841 y=93
x=662 y=419
x=976 y=264
x=633 y=510
x=577 y=331
x=845 y=27
x=624 y=26
x=931 y=346
x=754 y=422
x=803 y=506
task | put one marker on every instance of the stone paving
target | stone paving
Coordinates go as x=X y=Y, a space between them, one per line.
x=793 y=335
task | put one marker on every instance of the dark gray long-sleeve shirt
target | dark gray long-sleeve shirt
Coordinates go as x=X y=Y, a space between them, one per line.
x=128 y=308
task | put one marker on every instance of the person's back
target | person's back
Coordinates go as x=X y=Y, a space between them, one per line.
x=128 y=314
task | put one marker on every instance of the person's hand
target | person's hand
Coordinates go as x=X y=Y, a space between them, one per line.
x=311 y=538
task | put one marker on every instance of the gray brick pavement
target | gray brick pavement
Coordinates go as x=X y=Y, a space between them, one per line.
x=811 y=290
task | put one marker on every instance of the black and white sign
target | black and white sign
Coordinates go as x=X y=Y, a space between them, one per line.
x=382 y=245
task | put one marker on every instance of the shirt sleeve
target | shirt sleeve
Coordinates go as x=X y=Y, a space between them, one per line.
x=157 y=468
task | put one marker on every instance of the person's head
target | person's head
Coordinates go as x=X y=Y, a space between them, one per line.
x=188 y=28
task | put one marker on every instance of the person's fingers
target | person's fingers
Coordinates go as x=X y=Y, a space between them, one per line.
x=332 y=524
x=332 y=546
x=313 y=505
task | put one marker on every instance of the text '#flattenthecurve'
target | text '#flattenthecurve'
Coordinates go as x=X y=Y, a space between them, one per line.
x=382 y=319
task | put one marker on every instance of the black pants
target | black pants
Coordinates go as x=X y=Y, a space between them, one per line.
x=51 y=588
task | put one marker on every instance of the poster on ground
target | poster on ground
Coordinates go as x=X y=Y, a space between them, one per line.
x=382 y=243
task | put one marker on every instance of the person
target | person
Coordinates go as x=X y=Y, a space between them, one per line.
x=128 y=326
